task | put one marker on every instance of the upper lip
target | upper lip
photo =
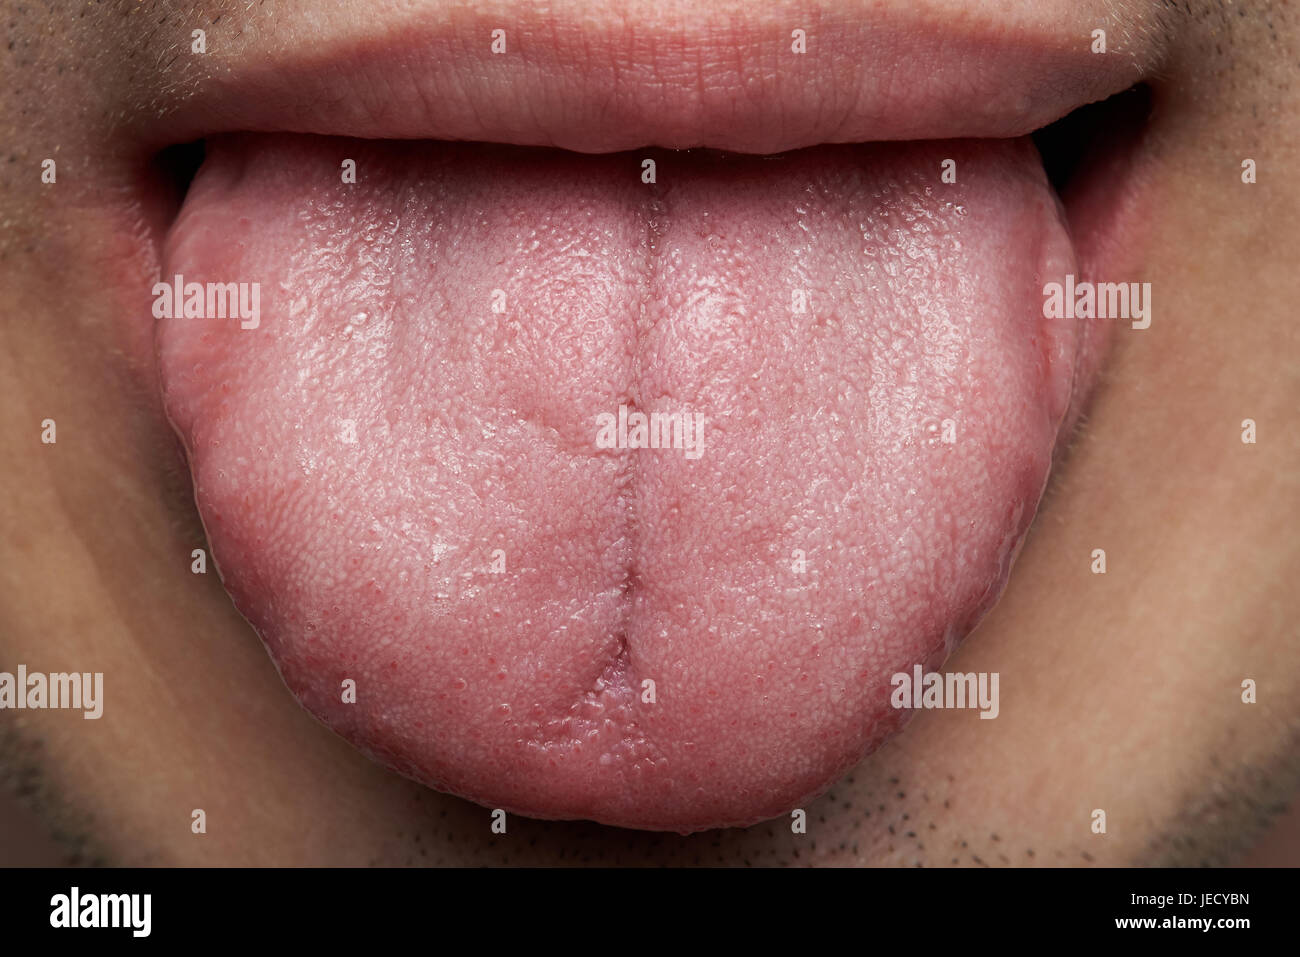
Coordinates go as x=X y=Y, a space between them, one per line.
x=631 y=73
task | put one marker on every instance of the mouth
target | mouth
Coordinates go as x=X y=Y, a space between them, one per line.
x=595 y=428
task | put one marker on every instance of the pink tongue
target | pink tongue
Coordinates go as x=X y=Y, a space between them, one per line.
x=399 y=472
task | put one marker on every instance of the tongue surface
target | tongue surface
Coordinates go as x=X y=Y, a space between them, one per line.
x=401 y=479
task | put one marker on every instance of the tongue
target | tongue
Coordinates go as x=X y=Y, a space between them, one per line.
x=404 y=465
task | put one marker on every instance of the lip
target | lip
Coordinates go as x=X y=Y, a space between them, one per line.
x=632 y=74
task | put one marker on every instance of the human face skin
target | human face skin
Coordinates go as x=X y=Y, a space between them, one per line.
x=1127 y=686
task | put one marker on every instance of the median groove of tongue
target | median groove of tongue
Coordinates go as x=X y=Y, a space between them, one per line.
x=607 y=714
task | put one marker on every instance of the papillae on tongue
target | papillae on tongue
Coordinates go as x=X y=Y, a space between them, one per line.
x=403 y=463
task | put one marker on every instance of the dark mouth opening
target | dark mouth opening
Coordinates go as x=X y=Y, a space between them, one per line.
x=176 y=167
x=1091 y=134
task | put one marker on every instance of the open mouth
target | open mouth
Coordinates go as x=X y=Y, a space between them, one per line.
x=612 y=465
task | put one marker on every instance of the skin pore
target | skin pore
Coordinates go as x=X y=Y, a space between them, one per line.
x=1127 y=685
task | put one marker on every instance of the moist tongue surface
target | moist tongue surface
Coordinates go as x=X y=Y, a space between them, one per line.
x=399 y=472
